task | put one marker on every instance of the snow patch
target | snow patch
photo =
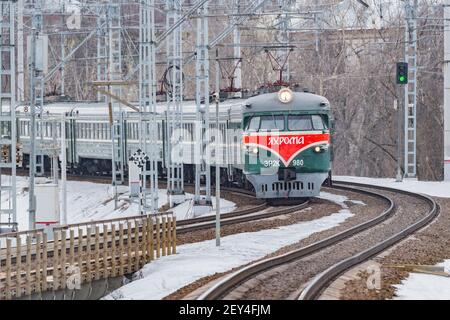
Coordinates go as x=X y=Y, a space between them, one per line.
x=419 y=286
x=197 y=260
x=87 y=201
x=431 y=188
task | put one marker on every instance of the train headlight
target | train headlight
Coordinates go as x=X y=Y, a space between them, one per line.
x=255 y=150
x=321 y=148
x=285 y=95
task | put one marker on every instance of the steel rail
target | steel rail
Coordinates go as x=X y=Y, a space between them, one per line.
x=227 y=284
x=234 y=218
x=319 y=283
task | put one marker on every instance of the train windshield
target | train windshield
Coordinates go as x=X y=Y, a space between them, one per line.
x=265 y=123
x=272 y=123
x=253 y=124
x=306 y=122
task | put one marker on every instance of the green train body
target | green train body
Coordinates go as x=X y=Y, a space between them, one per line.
x=287 y=144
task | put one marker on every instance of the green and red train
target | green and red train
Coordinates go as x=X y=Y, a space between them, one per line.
x=287 y=144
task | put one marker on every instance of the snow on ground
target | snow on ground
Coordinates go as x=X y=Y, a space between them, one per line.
x=196 y=260
x=87 y=201
x=432 y=188
x=419 y=286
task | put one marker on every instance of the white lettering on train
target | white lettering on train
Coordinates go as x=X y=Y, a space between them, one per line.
x=286 y=140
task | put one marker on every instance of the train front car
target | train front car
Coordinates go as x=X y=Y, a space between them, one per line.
x=286 y=140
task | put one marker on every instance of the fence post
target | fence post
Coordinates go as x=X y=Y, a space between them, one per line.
x=169 y=235
x=38 y=263
x=8 y=269
x=18 y=267
x=55 y=263
x=136 y=245
x=28 y=266
x=121 y=250
x=129 y=244
x=150 y=238
x=113 y=250
x=164 y=238
x=88 y=255
x=72 y=247
x=174 y=236
x=44 y=262
x=63 y=259
x=158 y=231
x=97 y=253
x=105 y=251
x=80 y=253
x=144 y=241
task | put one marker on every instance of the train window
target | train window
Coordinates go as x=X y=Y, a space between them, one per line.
x=306 y=122
x=253 y=124
x=102 y=131
x=272 y=123
x=318 y=122
x=302 y=123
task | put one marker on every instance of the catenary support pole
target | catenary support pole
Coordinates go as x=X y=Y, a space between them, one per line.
x=217 y=140
x=398 y=108
x=63 y=172
x=447 y=90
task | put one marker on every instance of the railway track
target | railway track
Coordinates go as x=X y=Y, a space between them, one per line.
x=307 y=256
x=235 y=217
x=206 y=222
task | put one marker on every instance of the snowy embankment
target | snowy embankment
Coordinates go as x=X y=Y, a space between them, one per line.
x=197 y=260
x=87 y=201
x=420 y=286
x=417 y=285
x=431 y=188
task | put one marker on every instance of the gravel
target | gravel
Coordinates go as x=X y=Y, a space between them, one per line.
x=281 y=283
x=373 y=207
x=429 y=246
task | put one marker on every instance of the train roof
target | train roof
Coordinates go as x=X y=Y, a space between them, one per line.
x=301 y=101
x=101 y=108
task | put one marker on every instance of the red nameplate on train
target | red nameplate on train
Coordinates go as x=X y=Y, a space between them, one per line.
x=286 y=145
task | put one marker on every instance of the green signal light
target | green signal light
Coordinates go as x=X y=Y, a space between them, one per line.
x=402 y=78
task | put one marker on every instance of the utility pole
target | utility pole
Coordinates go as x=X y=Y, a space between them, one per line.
x=63 y=171
x=20 y=66
x=63 y=38
x=399 y=177
x=174 y=136
x=8 y=189
x=410 y=96
x=237 y=50
x=32 y=161
x=447 y=90
x=36 y=81
x=401 y=79
x=217 y=141
x=202 y=198
x=147 y=104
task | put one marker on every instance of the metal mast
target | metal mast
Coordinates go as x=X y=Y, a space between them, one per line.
x=237 y=48
x=7 y=114
x=38 y=85
x=202 y=196
x=410 y=89
x=447 y=90
x=36 y=80
x=102 y=46
x=174 y=80
x=147 y=104
x=115 y=74
x=283 y=34
x=20 y=47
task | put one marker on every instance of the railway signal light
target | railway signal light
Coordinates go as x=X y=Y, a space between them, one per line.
x=402 y=73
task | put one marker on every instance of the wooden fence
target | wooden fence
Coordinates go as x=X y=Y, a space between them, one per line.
x=81 y=253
